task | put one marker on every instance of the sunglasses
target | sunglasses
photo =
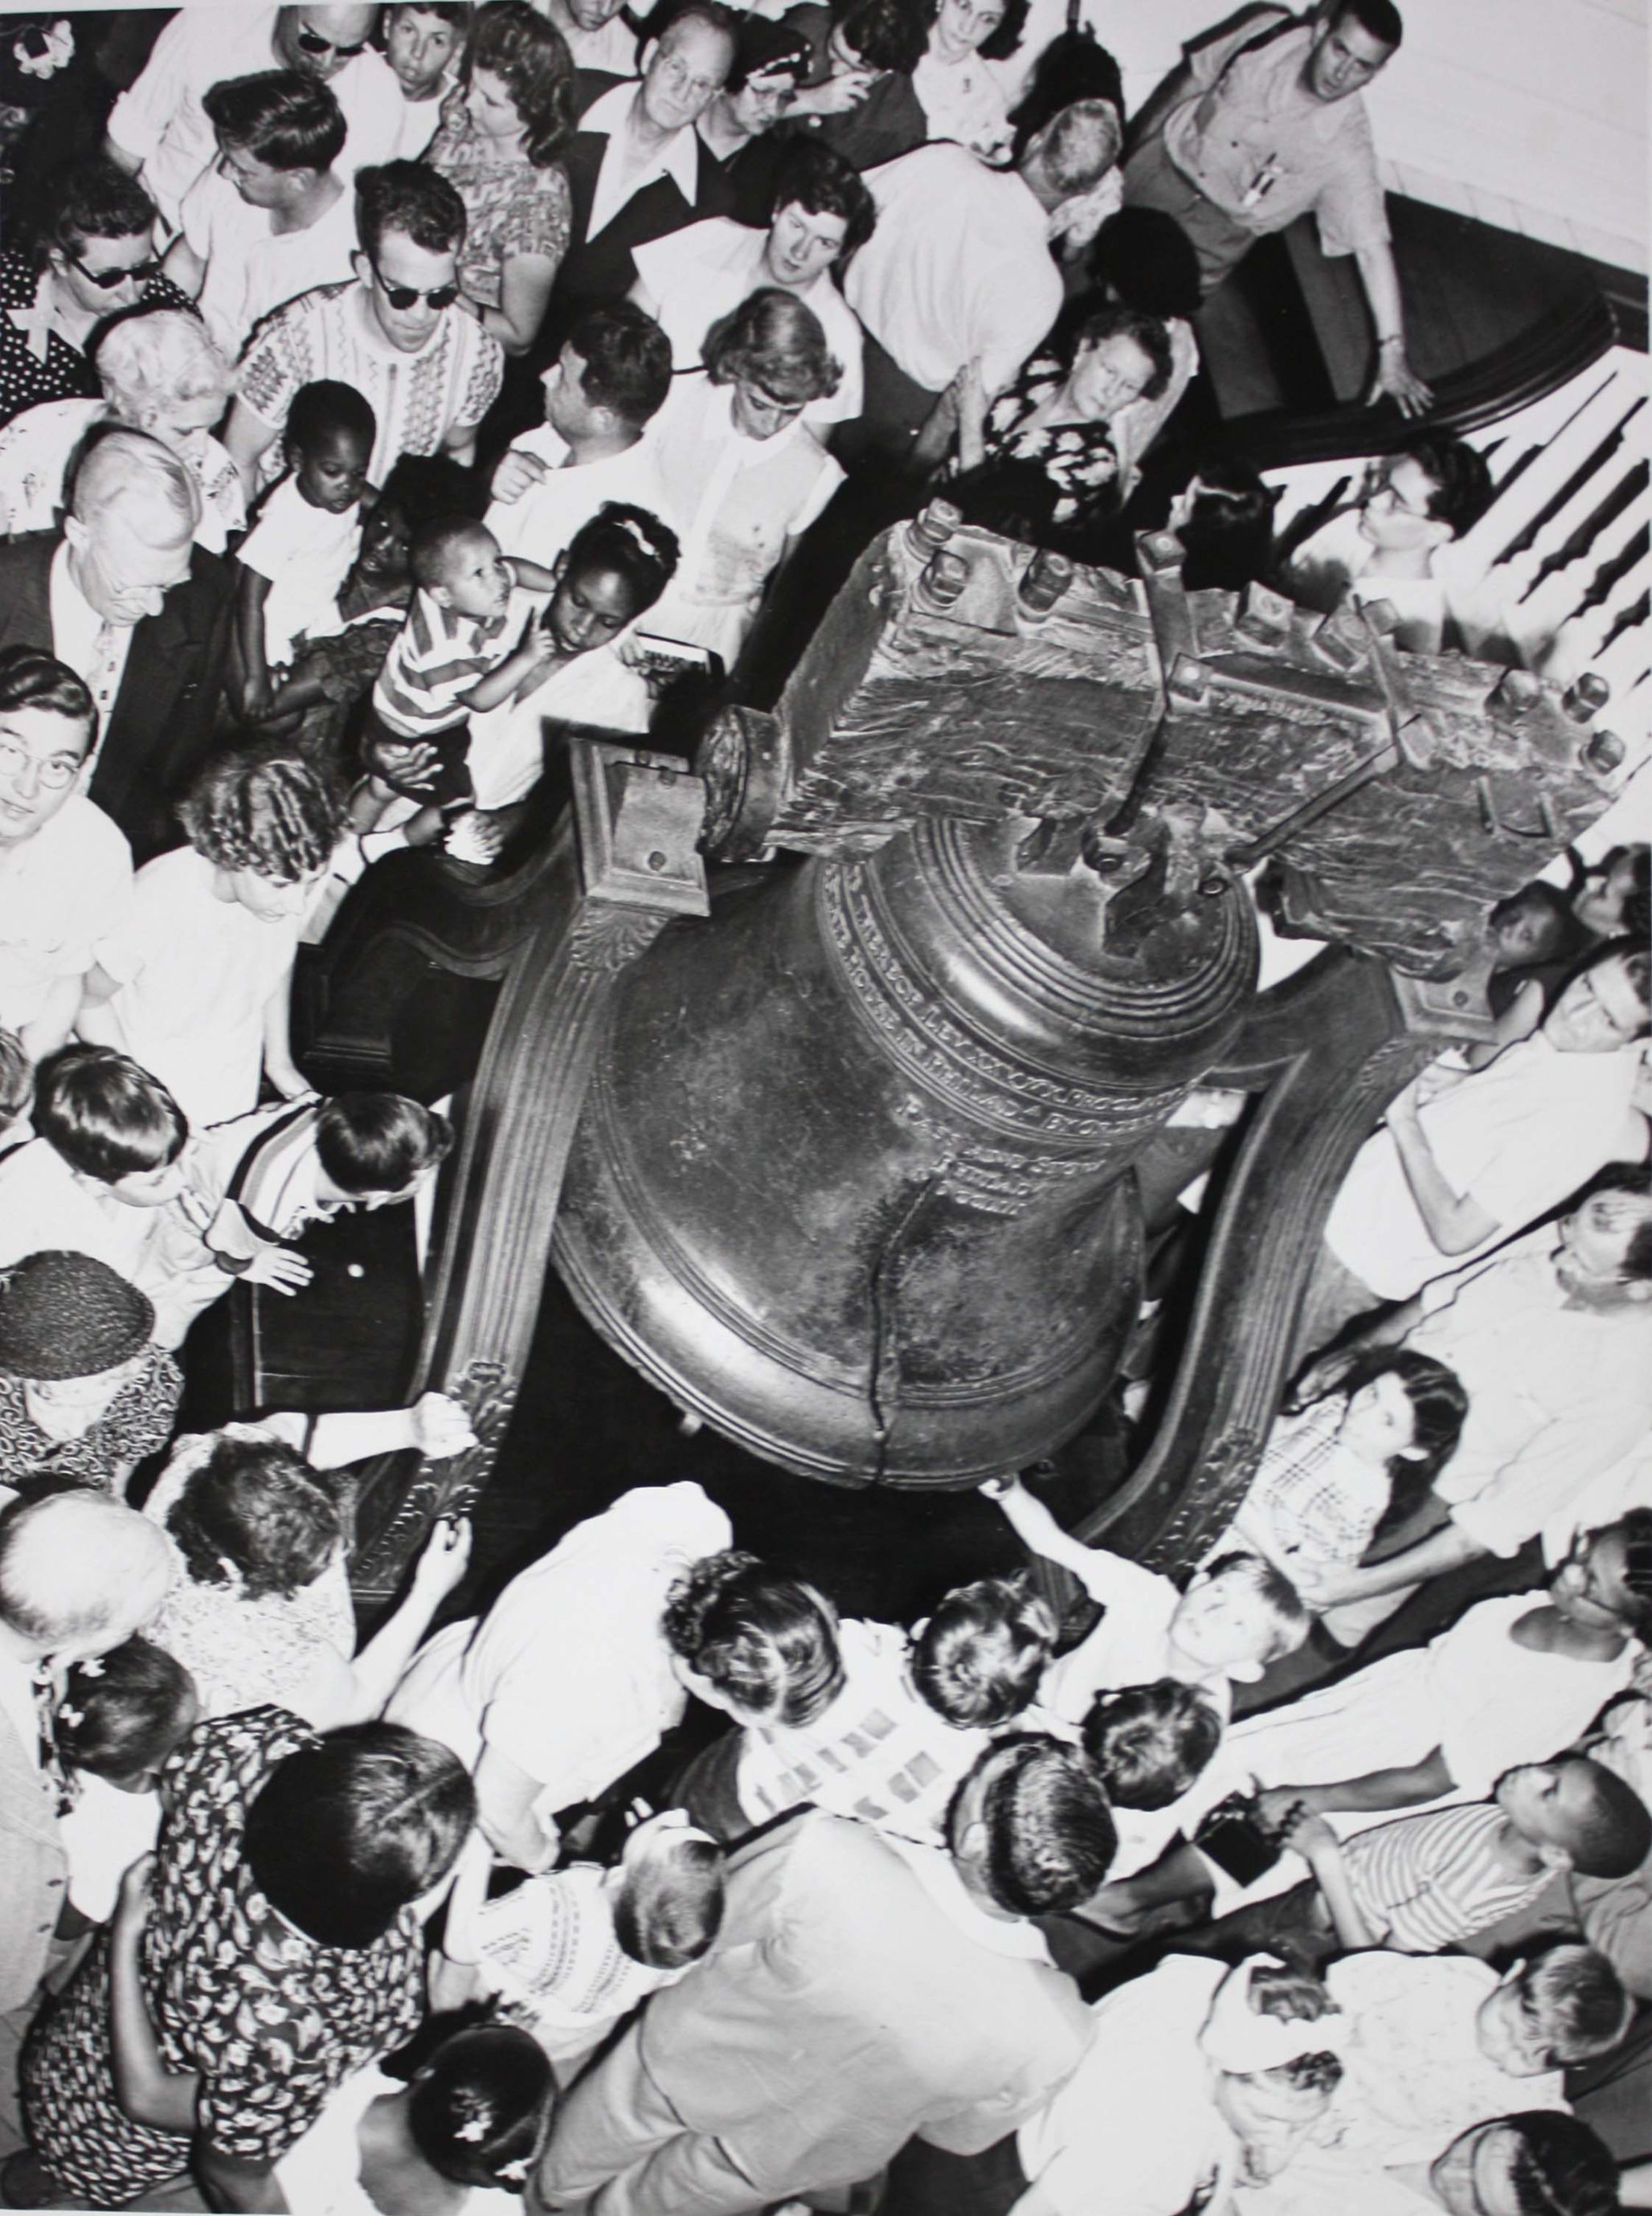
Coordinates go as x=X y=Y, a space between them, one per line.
x=312 y=42
x=106 y=279
x=404 y=297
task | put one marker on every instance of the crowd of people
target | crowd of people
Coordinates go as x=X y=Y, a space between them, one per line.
x=381 y=389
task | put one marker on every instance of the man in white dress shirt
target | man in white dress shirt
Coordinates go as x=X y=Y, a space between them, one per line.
x=600 y=394
x=160 y=131
x=960 y=268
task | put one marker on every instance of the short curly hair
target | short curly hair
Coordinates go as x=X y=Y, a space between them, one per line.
x=768 y=1640
x=1151 y=1742
x=410 y=198
x=818 y=179
x=257 y=1509
x=530 y=57
x=256 y=807
x=97 y=199
x=776 y=342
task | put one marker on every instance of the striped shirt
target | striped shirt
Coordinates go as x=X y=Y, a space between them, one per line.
x=1433 y=1881
x=437 y=656
x=418 y=400
x=251 y=1183
x=878 y=1753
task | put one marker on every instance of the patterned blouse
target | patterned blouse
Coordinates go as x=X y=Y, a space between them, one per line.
x=514 y=208
x=137 y=1422
x=1080 y=460
x=242 y=1653
x=272 y=2020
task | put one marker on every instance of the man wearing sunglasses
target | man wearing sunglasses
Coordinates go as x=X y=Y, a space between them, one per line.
x=396 y=332
x=160 y=129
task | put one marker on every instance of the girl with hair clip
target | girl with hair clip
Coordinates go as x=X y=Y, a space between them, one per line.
x=196 y=986
x=612 y=572
x=568 y=1955
x=1350 y=1467
x=121 y=1716
x=457 y=2139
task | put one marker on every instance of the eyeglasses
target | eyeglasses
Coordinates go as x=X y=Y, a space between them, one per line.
x=312 y=42
x=56 y=772
x=106 y=279
x=404 y=297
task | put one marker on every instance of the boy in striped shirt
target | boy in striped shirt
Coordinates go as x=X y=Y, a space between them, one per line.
x=453 y=655
x=1426 y=1882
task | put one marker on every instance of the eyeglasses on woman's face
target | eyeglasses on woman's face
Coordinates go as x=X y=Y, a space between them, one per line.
x=134 y=272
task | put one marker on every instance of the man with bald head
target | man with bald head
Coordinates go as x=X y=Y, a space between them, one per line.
x=160 y=130
x=637 y=167
x=140 y=613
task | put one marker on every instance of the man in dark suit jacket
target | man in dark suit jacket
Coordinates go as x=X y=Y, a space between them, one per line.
x=637 y=167
x=127 y=599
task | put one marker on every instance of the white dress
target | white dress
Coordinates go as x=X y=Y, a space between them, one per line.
x=747 y=500
x=962 y=100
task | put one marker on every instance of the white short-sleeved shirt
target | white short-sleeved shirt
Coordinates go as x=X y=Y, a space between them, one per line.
x=45 y=1207
x=62 y=892
x=252 y=269
x=958 y=267
x=567 y=1674
x=162 y=121
x=699 y=274
x=305 y=552
x=506 y=756
x=1131 y=1645
x=1517 y=1137
x=542 y=523
x=419 y=399
x=195 y=975
x=103 y=1835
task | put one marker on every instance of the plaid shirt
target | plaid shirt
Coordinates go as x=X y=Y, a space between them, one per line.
x=1312 y=1502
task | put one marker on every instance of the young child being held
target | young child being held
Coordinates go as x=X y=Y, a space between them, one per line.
x=569 y=1954
x=1237 y=1615
x=120 y=1717
x=1345 y=1469
x=1151 y=1744
x=453 y=655
x=831 y=1713
x=297 y=556
x=196 y=989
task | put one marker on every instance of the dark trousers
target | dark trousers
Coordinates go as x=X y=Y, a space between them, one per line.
x=926 y=2181
x=894 y=408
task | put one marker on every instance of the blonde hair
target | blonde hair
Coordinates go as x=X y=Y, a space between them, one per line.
x=148 y=362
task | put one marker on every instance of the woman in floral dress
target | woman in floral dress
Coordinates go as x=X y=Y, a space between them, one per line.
x=502 y=131
x=281 y=1954
x=1043 y=460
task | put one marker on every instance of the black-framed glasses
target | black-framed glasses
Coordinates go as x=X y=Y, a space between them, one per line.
x=404 y=297
x=312 y=42
x=106 y=279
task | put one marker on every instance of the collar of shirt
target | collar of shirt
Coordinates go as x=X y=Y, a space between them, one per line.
x=937 y=1873
x=96 y=651
x=678 y=158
